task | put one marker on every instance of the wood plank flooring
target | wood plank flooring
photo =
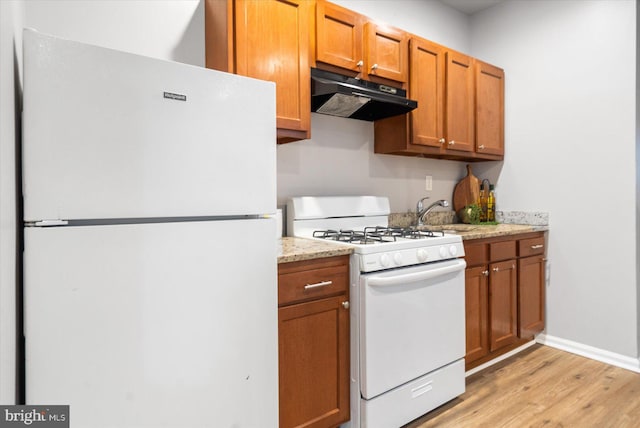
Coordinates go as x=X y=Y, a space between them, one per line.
x=543 y=387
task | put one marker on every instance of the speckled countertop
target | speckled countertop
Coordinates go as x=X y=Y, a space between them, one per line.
x=296 y=249
x=477 y=231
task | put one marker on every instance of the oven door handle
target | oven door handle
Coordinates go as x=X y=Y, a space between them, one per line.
x=385 y=281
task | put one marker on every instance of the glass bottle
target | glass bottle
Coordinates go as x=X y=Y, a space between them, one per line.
x=491 y=204
x=483 y=203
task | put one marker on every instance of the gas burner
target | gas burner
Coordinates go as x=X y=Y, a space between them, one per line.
x=420 y=234
x=403 y=232
x=370 y=235
x=375 y=234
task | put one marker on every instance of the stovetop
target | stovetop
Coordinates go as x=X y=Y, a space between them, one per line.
x=375 y=234
x=362 y=224
x=381 y=239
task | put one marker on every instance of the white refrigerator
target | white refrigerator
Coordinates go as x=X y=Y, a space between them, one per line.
x=150 y=276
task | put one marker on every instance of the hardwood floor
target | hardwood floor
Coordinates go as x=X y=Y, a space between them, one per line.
x=543 y=387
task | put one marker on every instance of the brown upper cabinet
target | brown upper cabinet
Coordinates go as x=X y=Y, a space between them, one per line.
x=361 y=47
x=489 y=109
x=460 y=112
x=267 y=40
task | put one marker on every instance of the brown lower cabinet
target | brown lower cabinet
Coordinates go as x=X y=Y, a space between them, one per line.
x=313 y=329
x=504 y=294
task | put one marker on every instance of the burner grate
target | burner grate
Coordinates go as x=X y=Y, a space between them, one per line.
x=375 y=234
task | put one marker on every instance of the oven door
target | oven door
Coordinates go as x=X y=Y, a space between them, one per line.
x=412 y=321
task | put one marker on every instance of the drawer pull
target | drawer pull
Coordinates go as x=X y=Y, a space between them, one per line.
x=421 y=389
x=537 y=247
x=318 y=284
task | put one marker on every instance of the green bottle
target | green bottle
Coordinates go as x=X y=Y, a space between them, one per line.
x=483 y=203
x=491 y=204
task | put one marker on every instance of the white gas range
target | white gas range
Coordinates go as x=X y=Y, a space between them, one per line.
x=407 y=307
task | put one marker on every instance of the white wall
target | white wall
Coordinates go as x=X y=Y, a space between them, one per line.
x=570 y=150
x=10 y=24
x=167 y=29
x=339 y=158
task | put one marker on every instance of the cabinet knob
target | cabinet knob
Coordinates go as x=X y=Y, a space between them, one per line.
x=485 y=272
x=360 y=64
x=452 y=142
x=496 y=269
x=441 y=141
x=374 y=67
x=481 y=147
x=345 y=304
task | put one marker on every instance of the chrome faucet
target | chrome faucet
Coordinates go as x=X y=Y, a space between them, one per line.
x=422 y=212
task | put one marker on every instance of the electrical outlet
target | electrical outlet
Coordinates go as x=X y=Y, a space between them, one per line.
x=428 y=183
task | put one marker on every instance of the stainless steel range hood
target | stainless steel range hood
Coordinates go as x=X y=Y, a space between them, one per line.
x=344 y=96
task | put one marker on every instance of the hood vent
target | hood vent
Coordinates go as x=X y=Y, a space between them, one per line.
x=344 y=96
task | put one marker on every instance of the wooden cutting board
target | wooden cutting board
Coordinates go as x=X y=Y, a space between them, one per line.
x=467 y=191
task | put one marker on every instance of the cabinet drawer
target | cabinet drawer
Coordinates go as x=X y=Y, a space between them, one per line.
x=301 y=285
x=476 y=254
x=531 y=246
x=502 y=250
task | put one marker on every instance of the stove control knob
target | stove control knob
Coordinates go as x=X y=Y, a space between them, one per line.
x=453 y=250
x=384 y=260
x=397 y=259
x=422 y=255
x=443 y=252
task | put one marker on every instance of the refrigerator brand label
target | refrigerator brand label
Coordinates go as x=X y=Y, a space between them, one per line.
x=34 y=416
x=173 y=96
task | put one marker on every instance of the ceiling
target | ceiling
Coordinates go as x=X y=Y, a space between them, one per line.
x=470 y=6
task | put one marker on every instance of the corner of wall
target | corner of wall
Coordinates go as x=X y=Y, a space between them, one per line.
x=637 y=231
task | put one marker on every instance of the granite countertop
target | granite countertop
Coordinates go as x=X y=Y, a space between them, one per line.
x=478 y=231
x=296 y=249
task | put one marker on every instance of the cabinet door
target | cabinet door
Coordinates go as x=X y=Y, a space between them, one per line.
x=489 y=109
x=272 y=43
x=503 y=304
x=459 y=102
x=338 y=36
x=531 y=296
x=426 y=84
x=476 y=308
x=386 y=51
x=314 y=363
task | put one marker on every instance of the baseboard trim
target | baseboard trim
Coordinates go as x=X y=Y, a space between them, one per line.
x=587 y=351
x=499 y=358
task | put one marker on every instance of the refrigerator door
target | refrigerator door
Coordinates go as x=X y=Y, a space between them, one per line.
x=109 y=134
x=154 y=325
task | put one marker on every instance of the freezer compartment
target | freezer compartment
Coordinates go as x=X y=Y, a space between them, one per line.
x=414 y=399
x=154 y=325
x=109 y=134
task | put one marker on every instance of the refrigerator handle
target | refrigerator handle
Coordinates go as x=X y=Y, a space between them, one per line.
x=47 y=223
